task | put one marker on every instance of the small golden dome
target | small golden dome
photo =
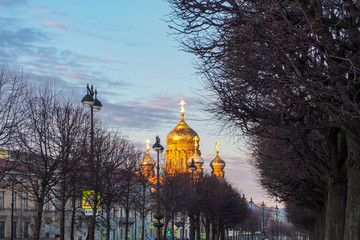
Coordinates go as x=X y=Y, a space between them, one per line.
x=182 y=133
x=148 y=161
x=217 y=163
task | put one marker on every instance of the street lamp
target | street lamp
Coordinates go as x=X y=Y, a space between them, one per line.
x=158 y=216
x=13 y=181
x=95 y=105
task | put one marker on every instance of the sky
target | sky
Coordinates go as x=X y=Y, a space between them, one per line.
x=125 y=50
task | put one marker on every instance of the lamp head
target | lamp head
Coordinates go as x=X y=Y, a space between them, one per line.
x=157 y=146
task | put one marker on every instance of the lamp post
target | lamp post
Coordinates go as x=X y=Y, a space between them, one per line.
x=263 y=218
x=95 y=105
x=158 y=149
x=193 y=169
x=277 y=222
x=13 y=182
x=252 y=227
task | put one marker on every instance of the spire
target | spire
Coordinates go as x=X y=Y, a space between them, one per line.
x=147 y=164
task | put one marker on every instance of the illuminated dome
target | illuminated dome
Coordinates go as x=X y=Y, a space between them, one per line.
x=181 y=134
x=180 y=145
x=147 y=163
x=218 y=164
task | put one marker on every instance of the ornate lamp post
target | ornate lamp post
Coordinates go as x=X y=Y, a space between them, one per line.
x=158 y=216
x=95 y=105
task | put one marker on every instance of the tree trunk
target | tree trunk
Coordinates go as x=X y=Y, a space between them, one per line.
x=108 y=226
x=166 y=224
x=192 y=228
x=207 y=229
x=335 y=210
x=62 y=209
x=352 y=219
x=197 y=226
x=142 y=228
x=38 y=220
x=72 y=227
x=172 y=227
x=126 y=223
x=319 y=228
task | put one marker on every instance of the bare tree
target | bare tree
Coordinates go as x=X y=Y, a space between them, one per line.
x=37 y=141
x=13 y=92
x=285 y=65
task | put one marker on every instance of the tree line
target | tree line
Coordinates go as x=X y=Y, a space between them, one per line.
x=285 y=75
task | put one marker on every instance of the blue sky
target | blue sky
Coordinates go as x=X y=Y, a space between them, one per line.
x=124 y=49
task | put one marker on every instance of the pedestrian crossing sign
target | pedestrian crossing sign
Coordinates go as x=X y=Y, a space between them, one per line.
x=89 y=199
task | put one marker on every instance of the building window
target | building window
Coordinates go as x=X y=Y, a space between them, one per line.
x=14 y=227
x=2 y=199
x=2 y=229
x=26 y=230
x=15 y=199
x=26 y=200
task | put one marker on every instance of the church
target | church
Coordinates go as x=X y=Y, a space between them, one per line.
x=182 y=149
x=182 y=155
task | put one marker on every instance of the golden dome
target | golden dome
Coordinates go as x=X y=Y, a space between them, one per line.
x=217 y=163
x=148 y=161
x=182 y=133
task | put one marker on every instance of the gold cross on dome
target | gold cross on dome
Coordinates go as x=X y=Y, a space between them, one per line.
x=217 y=147
x=195 y=141
x=147 y=144
x=182 y=106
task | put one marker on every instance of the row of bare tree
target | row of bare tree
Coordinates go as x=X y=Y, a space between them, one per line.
x=206 y=200
x=47 y=136
x=287 y=74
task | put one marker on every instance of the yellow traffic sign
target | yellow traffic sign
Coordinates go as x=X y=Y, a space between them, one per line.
x=89 y=199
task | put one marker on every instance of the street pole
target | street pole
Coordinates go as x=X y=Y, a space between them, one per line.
x=12 y=211
x=94 y=104
x=158 y=149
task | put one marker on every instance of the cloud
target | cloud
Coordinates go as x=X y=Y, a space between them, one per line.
x=54 y=24
x=11 y=3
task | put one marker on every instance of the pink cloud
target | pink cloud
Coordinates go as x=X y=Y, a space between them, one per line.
x=54 y=24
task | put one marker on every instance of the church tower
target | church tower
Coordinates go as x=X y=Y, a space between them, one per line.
x=180 y=145
x=218 y=164
x=147 y=164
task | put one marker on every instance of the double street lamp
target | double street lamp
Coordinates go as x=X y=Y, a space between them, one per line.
x=90 y=100
x=158 y=216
